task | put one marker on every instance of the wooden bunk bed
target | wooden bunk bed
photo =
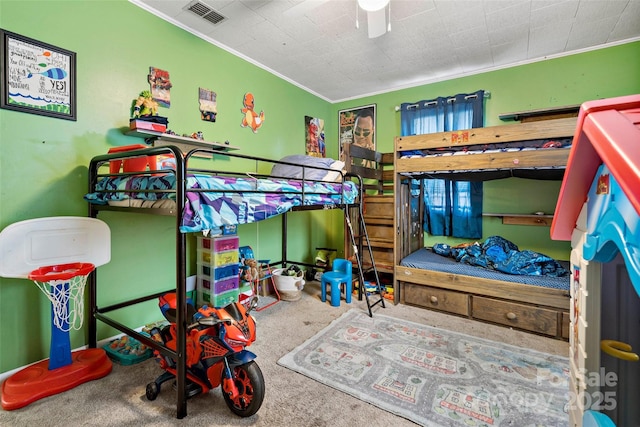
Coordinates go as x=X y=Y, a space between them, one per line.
x=201 y=199
x=498 y=298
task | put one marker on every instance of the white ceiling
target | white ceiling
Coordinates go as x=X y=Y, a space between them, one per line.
x=315 y=44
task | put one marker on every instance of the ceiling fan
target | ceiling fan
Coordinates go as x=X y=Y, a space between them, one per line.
x=377 y=23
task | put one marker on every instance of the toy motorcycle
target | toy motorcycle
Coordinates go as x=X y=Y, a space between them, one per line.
x=215 y=354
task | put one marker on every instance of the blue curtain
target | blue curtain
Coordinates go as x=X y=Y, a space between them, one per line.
x=452 y=208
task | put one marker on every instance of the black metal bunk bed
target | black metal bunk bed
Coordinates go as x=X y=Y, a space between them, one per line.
x=172 y=192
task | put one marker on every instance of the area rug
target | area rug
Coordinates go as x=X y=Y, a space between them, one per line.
x=435 y=377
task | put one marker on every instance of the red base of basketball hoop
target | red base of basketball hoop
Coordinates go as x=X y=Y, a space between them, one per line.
x=36 y=381
x=23 y=246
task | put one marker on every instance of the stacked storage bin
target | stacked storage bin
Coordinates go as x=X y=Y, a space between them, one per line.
x=218 y=270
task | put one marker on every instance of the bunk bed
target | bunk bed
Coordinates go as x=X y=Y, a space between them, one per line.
x=537 y=150
x=205 y=200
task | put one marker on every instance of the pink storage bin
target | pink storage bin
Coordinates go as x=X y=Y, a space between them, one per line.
x=218 y=244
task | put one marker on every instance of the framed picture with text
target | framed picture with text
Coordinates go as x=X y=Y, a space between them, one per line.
x=36 y=77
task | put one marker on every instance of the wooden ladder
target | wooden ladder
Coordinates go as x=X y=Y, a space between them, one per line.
x=360 y=242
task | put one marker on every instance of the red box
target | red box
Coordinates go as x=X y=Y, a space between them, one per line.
x=134 y=164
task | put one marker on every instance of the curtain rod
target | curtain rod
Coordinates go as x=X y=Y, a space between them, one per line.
x=486 y=95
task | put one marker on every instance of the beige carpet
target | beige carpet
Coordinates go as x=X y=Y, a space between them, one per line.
x=291 y=399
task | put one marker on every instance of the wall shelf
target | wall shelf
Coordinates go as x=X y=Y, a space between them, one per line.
x=184 y=143
x=542 y=114
x=523 y=219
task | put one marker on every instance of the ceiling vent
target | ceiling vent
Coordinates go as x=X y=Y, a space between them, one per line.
x=205 y=12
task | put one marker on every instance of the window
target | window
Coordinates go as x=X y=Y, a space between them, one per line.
x=452 y=208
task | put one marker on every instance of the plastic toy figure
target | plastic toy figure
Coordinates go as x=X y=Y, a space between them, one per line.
x=144 y=105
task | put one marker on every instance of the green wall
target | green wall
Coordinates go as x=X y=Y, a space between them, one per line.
x=43 y=161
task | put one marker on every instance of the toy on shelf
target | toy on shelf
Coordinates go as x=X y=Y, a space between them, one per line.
x=144 y=105
x=144 y=114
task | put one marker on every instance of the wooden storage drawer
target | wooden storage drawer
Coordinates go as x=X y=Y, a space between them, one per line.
x=531 y=318
x=437 y=299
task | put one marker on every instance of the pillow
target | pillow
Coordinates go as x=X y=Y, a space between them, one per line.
x=291 y=171
x=334 y=174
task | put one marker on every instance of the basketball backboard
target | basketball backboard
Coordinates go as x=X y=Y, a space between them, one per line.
x=34 y=243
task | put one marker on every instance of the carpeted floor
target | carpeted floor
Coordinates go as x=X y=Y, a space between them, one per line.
x=433 y=376
x=291 y=399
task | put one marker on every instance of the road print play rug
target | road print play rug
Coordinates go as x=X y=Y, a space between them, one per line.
x=435 y=377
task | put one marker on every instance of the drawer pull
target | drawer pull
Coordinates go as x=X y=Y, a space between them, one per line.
x=511 y=315
x=434 y=299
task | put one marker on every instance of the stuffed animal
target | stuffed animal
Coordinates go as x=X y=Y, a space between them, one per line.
x=251 y=273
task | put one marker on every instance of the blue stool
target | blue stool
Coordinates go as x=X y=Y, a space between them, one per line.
x=341 y=273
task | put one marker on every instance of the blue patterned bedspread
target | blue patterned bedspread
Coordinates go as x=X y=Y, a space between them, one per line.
x=426 y=259
x=212 y=202
x=498 y=253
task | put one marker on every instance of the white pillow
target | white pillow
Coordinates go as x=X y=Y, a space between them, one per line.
x=290 y=171
x=334 y=174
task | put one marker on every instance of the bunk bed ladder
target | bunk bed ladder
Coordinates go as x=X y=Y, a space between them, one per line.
x=357 y=249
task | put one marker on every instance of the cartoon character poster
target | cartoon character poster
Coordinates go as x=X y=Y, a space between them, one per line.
x=251 y=119
x=314 y=137
x=208 y=105
x=160 y=86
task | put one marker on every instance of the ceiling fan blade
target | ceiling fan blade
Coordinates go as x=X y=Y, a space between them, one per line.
x=376 y=23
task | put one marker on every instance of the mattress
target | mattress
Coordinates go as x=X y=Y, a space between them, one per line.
x=213 y=201
x=427 y=260
x=486 y=174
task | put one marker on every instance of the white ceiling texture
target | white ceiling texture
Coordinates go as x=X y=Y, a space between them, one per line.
x=315 y=44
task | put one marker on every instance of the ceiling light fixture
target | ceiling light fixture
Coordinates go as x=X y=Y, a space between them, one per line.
x=376 y=10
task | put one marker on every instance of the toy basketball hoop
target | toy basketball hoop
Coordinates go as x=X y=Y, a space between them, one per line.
x=69 y=248
x=64 y=285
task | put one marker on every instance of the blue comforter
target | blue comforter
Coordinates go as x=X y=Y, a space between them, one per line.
x=498 y=253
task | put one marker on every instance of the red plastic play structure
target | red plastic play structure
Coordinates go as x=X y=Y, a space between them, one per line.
x=598 y=210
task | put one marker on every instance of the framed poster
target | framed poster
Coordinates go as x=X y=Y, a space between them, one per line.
x=357 y=126
x=36 y=77
x=314 y=137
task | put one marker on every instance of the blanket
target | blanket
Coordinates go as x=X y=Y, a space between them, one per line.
x=214 y=201
x=498 y=253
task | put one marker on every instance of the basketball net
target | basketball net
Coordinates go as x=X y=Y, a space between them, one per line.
x=67 y=301
x=64 y=285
